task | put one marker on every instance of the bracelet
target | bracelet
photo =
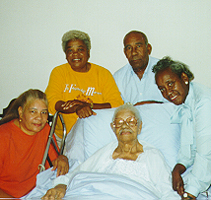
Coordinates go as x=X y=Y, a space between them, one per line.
x=91 y=105
x=186 y=196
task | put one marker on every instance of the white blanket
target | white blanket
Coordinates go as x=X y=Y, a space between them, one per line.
x=88 y=181
x=85 y=185
x=91 y=186
x=151 y=178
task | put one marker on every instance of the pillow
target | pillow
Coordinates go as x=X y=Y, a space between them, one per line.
x=97 y=131
x=74 y=144
x=158 y=131
x=92 y=133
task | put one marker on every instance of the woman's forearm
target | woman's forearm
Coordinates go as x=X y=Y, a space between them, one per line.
x=68 y=106
x=177 y=181
x=100 y=105
x=72 y=106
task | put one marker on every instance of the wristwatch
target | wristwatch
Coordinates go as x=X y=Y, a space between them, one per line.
x=185 y=195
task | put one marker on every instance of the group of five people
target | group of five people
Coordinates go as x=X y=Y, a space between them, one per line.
x=78 y=87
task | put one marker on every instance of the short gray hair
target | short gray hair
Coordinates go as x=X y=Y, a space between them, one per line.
x=128 y=106
x=176 y=67
x=73 y=35
x=138 y=32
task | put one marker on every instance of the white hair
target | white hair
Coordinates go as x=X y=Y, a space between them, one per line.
x=130 y=107
x=76 y=34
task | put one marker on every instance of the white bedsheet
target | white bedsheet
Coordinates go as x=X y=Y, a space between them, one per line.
x=92 y=178
x=94 y=186
x=87 y=185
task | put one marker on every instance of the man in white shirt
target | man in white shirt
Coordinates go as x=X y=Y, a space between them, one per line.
x=135 y=80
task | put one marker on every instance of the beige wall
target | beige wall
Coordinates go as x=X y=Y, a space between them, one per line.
x=31 y=34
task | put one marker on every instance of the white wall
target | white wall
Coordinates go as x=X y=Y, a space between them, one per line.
x=31 y=31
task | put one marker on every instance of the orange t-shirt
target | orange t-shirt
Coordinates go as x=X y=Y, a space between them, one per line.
x=20 y=155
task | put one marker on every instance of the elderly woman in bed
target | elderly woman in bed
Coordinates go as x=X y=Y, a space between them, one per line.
x=127 y=156
x=23 y=138
x=193 y=112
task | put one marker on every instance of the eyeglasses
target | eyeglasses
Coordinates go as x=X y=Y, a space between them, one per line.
x=130 y=121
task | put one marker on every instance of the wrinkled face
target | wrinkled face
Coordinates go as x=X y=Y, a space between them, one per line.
x=77 y=55
x=34 y=116
x=136 y=51
x=172 y=87
x=125 y=126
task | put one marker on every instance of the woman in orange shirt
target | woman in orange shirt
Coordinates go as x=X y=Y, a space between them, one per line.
x=23 y=138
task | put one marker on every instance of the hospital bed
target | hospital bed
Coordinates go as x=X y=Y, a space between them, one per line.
x=92 y=133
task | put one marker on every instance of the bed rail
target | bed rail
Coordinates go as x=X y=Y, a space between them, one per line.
x=50 y=139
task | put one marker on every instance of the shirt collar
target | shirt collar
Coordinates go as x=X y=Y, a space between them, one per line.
x=189 y=99
x=146 y=70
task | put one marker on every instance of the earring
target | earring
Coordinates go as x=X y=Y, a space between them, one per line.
x=186 y=82
x=20 y=120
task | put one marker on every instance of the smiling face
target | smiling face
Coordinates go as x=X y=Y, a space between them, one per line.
x=128 y=129
x=77 y=55
x=172 y=87
x=136 y=51
x=33 y=117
